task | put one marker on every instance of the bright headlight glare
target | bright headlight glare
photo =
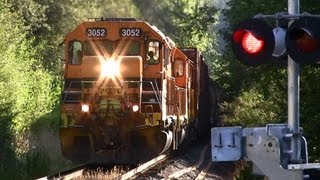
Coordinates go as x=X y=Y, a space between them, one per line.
x=85 y=108
x=135 y=108
x=109 y=68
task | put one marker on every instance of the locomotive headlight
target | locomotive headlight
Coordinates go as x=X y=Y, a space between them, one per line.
x=135 y=108
x=85 y=108
x=109 y=68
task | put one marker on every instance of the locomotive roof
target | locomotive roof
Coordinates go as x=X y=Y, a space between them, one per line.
x=118 y=23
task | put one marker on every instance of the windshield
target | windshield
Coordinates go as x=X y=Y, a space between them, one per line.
x=109 y=48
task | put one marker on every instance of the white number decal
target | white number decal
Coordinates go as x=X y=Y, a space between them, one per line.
x=96 y=32
x=130 y=32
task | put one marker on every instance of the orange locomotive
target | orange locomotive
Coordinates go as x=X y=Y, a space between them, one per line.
x=130 y=93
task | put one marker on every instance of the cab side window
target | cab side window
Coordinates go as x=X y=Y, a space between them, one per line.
x=178 y=68
x=75 y=52
x=153 y=52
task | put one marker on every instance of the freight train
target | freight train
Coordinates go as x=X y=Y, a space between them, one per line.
x=130 y=93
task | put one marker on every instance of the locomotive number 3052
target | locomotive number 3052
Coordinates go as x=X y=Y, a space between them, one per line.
x=130 y=32
x=96 y=32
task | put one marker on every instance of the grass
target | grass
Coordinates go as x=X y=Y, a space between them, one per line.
x=101 y=174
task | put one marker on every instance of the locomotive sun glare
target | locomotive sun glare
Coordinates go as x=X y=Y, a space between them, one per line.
x=109 y=68
x=302 y=40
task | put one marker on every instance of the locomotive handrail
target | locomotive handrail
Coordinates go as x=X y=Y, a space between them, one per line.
x=67 y=91
x=155 y=93
x=155 y=80
x=69 y=87
x=151 y=83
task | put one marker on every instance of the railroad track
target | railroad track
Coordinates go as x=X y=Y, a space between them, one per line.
x=179 y=169
x=199 y=169
x=144 y=167
x=85 y=170
x=159 y=167
x=68 y=174
x=73 y=173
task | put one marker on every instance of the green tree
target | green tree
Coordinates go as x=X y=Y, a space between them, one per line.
x=29 y=85
x=187 y=22
x=30 y=72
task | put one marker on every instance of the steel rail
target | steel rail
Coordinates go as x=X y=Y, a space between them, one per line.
x=143 y=168
x=68 y=174
x=177 y=174
x=204 y=171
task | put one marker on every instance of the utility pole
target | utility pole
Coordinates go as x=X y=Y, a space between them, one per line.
x=293 y=93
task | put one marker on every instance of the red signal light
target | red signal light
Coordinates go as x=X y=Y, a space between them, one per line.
x=305 y=42
x=251 y=44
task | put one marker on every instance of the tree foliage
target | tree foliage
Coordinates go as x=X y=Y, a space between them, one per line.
x=28 y=85
x=187 y=22
x=28 y=77
x=30 y=73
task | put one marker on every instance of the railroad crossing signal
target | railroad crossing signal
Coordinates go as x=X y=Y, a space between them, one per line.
x=302 y=40
x=255 y=42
